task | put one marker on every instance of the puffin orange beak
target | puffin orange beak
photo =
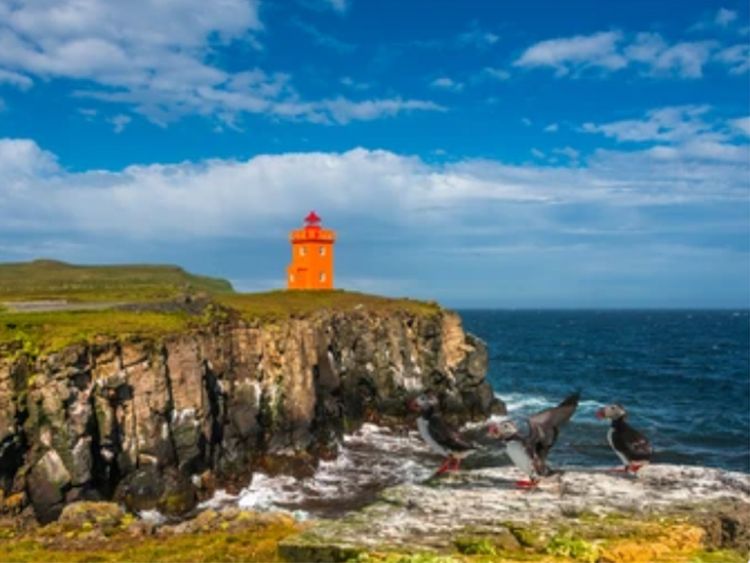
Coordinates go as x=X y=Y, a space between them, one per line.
x=600 y=414
x=493 y=431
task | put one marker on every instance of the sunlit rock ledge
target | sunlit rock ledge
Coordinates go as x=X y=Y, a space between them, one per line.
x=667 y=511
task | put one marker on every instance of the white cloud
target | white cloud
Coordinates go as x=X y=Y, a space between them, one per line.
x=324 y=39
x=610 y=51
x=15 y=79
x=568 y=54
x=669 y=124
x=568 y=152
x=120 y=121
x=724 y=17
x=153 y=55
x=737 y=58
x=340 y=6
x=88 y=113
x=349 y=82
x=446 y=83
x=537 y=153
x=476 y=37
x=21 y=162
x=682 y=59
x=221 y=197
x=496 y=73
x=552 y=128
x=682 y=133
x=342 y=110
x=741 y=124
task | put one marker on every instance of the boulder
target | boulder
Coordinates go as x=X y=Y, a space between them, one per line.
x=149 y=488
x=46 y=486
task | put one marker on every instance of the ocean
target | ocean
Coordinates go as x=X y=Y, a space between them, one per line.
x=683 y=376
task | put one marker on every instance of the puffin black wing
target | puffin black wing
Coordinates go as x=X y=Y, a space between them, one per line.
x=631 y=443
x=544 y=426
x=446 y=436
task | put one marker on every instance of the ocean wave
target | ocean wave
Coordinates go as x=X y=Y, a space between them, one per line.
x=522 y=402
x=369 y=459
x=266 y=492
x=525 y=404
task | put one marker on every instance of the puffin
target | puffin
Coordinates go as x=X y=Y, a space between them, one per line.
x=632 y=447
x=529 y=451
x=438 y=434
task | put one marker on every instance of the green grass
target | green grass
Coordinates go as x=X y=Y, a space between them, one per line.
x=255 y=544
x=50 y=279
x=49 y=332
x=42 y=332
x=282 y=304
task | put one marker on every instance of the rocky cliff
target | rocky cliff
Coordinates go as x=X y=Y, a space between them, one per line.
x=159 y=422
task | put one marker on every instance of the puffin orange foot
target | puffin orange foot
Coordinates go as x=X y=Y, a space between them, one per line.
x=455 y=465
x=634 y=468
x=446 y=466
x=526 y=484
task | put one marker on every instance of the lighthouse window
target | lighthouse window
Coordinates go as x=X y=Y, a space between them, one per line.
x=291 y=277
x=322 y=277
x=301 y=250
x=322 y=250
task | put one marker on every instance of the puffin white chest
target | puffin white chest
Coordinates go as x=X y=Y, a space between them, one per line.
x=520 y=458
x=423 y=425
x=610 y=435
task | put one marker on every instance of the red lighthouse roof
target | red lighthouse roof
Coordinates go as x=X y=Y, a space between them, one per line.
x=312 y=218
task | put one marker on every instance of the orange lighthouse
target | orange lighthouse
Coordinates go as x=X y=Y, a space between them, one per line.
x=312 y=256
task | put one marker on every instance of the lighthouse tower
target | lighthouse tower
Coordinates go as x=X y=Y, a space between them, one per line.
x=312 y=256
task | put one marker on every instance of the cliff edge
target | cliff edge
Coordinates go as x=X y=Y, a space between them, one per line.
x=211 y=389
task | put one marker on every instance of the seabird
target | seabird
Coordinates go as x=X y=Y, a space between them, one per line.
x=632 y=447
x=529 y=452
x=438 y=435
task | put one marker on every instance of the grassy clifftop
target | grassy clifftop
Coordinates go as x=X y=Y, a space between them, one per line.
x=50 y=279
x=46 y=305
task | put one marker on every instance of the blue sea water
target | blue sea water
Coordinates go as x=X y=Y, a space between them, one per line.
x=683 y=376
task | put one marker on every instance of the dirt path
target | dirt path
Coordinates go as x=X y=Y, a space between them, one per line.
x=58 y=305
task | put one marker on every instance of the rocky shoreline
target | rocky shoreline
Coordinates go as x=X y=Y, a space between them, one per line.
x=599 y=508
x=668 y=514
x=161 y=423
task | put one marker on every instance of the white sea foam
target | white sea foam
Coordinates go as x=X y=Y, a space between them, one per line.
x=265 y=493
x=368 y=460
x=525 y=404
x=372 y=458
x=220 y=498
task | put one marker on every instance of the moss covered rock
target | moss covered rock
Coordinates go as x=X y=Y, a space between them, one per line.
x=102 y=514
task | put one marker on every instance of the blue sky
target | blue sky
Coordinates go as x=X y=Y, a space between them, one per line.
x=536 y=154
